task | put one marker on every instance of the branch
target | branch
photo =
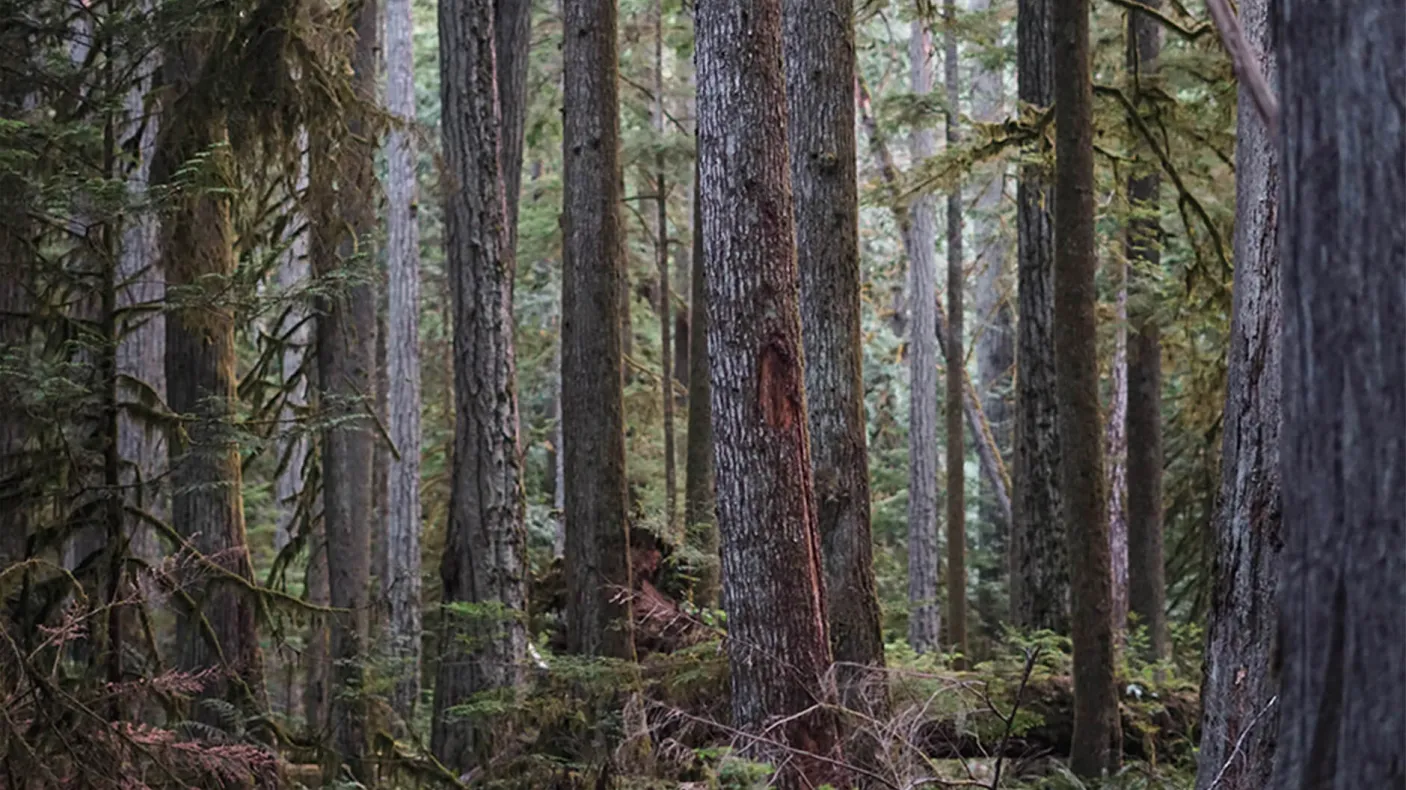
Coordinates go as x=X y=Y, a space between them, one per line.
x=1239 y=742
x=1246 y=62
x=1189 y=33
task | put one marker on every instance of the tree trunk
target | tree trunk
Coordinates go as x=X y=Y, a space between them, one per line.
x=956 y=370
x=1147 y=593
x=1241 y=671
x=819 y=44
x=661 y=253
x=1039 y=570
x=1344 y=397
x=1116 y=448
x=346 y=357
x=924 y=612
x=294 y=333
x=1076 y=387
x=16 y=271
x=512 y=46
x=316 y=662
x=400 y=583
x=485 y=554
x=700 y=505
x=778 y=645
x=206 y=508
x=597 y=526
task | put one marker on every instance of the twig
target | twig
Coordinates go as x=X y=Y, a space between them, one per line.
x=1246 y=62
x=1030 y=657
x=1239 y=742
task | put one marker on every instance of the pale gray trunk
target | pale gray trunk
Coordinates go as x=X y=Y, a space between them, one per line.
x=295 y=334
x=661 y=253
x=1116 y=445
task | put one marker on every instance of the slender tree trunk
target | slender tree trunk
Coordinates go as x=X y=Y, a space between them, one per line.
x=819 y=41
x=778 y=645
x=1039 y=572
x=1147 y=593
x=597 y=526
x=1242 y=678
x=956 y=370
x=401 y=581
x=1116 y=448
x=16 y=271
x=924 y=614
x=1076 y=387
x=294 y=333
x=346 y=356
x=512 y=45
x=1344 y=394
x=484 y=561
x=218 y=619
x=700 y=506
x=661 y=253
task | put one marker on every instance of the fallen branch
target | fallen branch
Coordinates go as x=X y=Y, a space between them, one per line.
x=1246 y=63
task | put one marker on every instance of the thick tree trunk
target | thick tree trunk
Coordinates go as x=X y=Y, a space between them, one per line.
x=1076 y=388
x=346 y=357
x=593 y=297
x=512 y=46
x=819 y=42
x=700 y=505
x=485 y=558
x=206 y=509
x=1242 y=676
x=1039 y=569
x=778 y=645
x=924 y=612
x=400 y=583
x=1344 y=394
x=1147 y=593
x=956 y=369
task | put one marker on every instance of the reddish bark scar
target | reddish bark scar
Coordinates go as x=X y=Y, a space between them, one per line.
x=778 y=386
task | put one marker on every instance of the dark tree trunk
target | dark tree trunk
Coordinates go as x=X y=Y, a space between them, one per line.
x=1076 y=388
x=1344 y=394
x=593 y=297
x=956 y=370
x=484 y=561
x=207 y=509
x=1039 y=571
x=512 y=45
x=924 y=612
x=819 y=39
x=1147 y=593
x=773 y=575
x=1241 y=673
x=700 y=507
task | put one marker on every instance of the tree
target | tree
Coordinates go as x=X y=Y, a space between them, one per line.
x=774 y=585
x=1076 y=389
x=1343 y=639
x=484 y=566
x=512 y=46
x=661 y=254
x=1039 y=572
x=924 y=615
x=700 y=506
x=1238 y=693
x=956 y=368
x=401 y=586
x=1147 y=593
x=819 y=44
x=598 y=575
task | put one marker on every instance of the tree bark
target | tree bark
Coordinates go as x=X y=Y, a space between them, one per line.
x=819 y=44
x=1344 y=395
x=661 y=254
x=593 y=298
x=1147 y=589
x=778 y=645
x=1076 y=388
x=401 y=582
x=1039 y=572
x=1116 y=448
x=484 y=562
x=1241 y=674
x=924 y=612
x=512 y=46
x=700 y=504
x=956 y=369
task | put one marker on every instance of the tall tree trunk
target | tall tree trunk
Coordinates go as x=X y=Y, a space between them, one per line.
x=294 y=333
x=661 y=253
x=206 y=509
x=1039 y=557
x=1076 y=387
x=597 y=526
x=778 y=645
x=924 y=612
x=1344 y=461
x=700 y=506
x=485 y=554
x=512 y=46
x=16 y=271
x=956 y=369
x=819 y=42
x=1242 y=677
x=1116 y=448
x=346 y=361
x=1147 y=589
x=400 y=583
